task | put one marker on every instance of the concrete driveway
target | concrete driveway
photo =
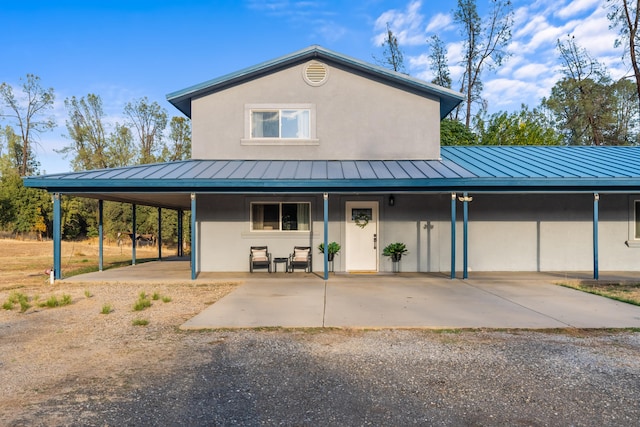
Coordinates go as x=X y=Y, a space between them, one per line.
x=412 y=301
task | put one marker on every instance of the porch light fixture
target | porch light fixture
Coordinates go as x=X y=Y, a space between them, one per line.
x=392 y=200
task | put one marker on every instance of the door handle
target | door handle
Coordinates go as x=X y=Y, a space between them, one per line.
x=375 y=241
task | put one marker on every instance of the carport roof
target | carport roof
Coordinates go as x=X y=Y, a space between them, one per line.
x=472 y=169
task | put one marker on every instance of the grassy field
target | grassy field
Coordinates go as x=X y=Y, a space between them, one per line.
x=23 y=263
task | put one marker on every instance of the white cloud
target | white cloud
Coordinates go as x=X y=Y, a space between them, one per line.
x=440 y=21
x=576 y=7
x=531 y=71
x=509 y=94
x=593 y=33
x=406 y=25
x=420 y=61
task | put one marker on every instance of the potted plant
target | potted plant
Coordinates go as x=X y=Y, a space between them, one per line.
x=333 y=249
x=395 y=251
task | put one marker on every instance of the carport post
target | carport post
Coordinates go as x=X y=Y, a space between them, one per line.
x=193 y=236
x=453 y=235
x=159 y=239
x=465 y=234
x=596 y=199
x=325 y=253
x=57 y=237
x=100 y=233
x=180 y=214
x=134 y=235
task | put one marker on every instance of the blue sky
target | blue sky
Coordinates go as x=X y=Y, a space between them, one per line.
x=125 y=50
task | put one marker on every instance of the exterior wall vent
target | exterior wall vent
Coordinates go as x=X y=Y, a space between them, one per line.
x=315 y=73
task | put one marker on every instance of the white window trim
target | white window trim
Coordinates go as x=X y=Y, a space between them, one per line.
x=248 y=140
x=634 y=202
x=280 y=203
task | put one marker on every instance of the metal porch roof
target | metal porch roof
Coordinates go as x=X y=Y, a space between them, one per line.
x=477 y=168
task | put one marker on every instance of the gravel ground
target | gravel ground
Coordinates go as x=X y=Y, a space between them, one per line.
x=385 y=377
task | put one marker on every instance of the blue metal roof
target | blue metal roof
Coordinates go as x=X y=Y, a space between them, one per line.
x=181 y=99
x=473 y=169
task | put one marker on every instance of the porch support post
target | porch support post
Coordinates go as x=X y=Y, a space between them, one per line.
x=159 y=239
x=326 y=236
x=180 y=214
x=193 y=236
x=465 y=234
x=100 y=234
x=134 y=235
x=596 y=199
x=57 y=236
x=453 y=235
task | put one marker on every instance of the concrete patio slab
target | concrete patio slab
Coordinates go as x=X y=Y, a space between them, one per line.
x=263 y=304
x=413 y=302
x=406 y=300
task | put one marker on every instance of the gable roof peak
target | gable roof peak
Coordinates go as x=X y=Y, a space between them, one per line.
x=449 y=98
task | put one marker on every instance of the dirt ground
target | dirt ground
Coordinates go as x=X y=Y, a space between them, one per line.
x=74 y=366
x=47 y=351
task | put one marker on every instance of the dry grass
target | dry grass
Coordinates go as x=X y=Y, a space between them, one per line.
x=24 y=262
x=43 y=350
x=628 y=292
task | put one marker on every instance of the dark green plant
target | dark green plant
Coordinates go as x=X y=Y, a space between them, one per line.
x=333 y=247
x=394 y=249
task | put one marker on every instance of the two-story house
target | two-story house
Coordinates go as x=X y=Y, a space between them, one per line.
x=316 y=147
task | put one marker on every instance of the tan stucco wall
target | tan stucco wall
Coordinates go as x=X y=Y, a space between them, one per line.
x=356 y=118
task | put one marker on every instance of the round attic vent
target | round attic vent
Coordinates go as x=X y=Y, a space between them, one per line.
x=315 y=73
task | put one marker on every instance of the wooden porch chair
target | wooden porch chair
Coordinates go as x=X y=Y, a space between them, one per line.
x=259 y=257
x=300 y=258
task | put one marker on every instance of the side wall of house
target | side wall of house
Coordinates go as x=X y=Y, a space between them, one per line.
x=355 y=118
x=506 y=232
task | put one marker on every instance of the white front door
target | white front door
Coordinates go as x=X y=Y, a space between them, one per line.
x=361 y=237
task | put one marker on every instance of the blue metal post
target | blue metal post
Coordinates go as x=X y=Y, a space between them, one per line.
x=596 y=199
x=134 y=235
x=159 y=239
x=100 y=234
x=453 y=235
x=57 y=237
x=180 y=237
x=326 y=236
x=193 y=236
x=465 y=234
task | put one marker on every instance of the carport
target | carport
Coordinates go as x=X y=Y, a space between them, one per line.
x=463 y=172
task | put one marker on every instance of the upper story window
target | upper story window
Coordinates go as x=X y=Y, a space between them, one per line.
x=280 y=123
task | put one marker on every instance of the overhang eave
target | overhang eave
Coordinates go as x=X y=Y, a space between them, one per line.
x=497 y=185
